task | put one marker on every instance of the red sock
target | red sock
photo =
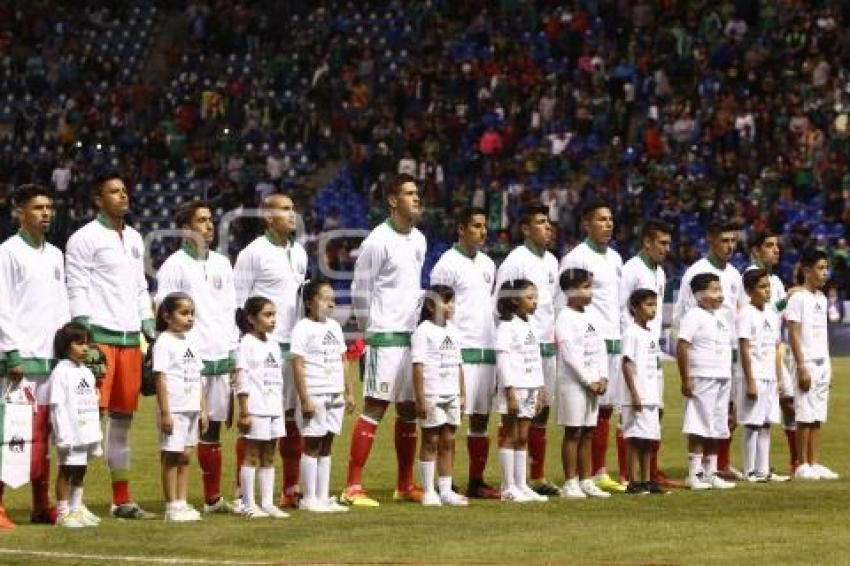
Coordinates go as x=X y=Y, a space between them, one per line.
x=599 y=442
x=362 y=437
x=723 y=453
x=537 y=451
x=120 y=492
x=209 y=457
x=622 y=460
x=654 y=446
x=241 y=448
x=40 y=460
x=479 y=449
x=291 y=446
x=794 y=456
x=405 y=452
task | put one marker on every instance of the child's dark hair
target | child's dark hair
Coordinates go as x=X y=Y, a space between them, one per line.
x=309 y=291
x=252 y=307
x=71 y=333
x=811 y=256
x=701 y=281
x=508 y=297
x=638 y=297
x=752 y=278
x=573 y=277
x=429 y=302
x=168 y=305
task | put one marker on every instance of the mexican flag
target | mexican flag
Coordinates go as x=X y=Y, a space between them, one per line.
x=16 y=432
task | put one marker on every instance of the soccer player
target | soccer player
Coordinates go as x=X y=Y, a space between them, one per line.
x=274 y=266
x=722 y=239
x=471 y=273
x=646 y=271
x=33 y=306
x=704 y=357
x=582 y=379
x=761 y=363
x=533 y=262
x=809 y=340
x=207 y=277
x=764 y=254
x=385 y=293
x=605 y=265
x=109 y=295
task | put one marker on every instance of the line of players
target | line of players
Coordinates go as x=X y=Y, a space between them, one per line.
x=100 y=283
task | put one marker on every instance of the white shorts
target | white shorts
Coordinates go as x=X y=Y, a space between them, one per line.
x=576 y=405
x=611 y=396
x=266 y=428
x=479 y=381
x=526 y=398
x=442 y=410
x=811 y=406
x=550 y=380
x=388 y=374
x=707 y=410
x=643 y=423
x=79 y=455
x=764 y=410
x=184 y=433
x=328 y=410
x=217 y=393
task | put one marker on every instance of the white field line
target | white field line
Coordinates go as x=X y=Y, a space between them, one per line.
x=120 y=558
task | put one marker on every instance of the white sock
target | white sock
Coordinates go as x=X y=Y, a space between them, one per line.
x=76 y=499
x=694 y=465
x=763 y=453
x=709 y=466
x=62 y=507
x=266 y=477
x=520 y=468
x=323 y=479
x=246 y=485
x=506 y=463
x=309 y=475
x=118 y=444
x=445 y=483
x=426 y=475
x=750 y=447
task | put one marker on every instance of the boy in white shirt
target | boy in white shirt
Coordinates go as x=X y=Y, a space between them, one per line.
x=704 y=357
x=809 y=339
x=582 y=380
x=761 y=364
x=641 y=397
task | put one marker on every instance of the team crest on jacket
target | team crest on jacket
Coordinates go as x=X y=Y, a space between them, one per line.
x=136 y=253
x=487 y=278
x=216 y=281
x=57 y=273
x=419 y=255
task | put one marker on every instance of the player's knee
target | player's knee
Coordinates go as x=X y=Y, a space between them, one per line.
x=478 y=424
x=406 y=411
x=213 y=433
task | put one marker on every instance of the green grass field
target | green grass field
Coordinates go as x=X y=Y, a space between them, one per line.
x=792 y=523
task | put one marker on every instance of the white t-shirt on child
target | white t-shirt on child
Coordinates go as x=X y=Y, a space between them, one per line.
x=179 y=358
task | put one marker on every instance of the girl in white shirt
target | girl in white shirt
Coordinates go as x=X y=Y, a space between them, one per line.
x=76 y=423
x=439 y=392
x=323 y=390
x=519 y=367
x=177 y=371
x=259 y=391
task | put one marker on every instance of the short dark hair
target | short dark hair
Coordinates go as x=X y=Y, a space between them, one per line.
x=591 y=206
x=638 y=296
x=26 y=192
x=392 y=188
x=573 y=277
x=752 y=278
x=429 y=305
x=701 y=281
x=168 y=306
x=309 y=291
x=186 y=211
x=652 y=227
x=465 y=216
x=103 y=177
x=811 y=256
x=252 y=307
x=717 y=228
x=70 y=333
x=758 y=238
x=531 y=210
x=507 y=302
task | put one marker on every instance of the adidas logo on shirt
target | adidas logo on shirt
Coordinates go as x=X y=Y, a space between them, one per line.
x=818 y=308
x=188 y=355
x=447 y=344
x=530 y=340
x=652 y=345
x=270 y=362
x=590 y=329
x=329 y=339
x=767 y=325
x=83 y=387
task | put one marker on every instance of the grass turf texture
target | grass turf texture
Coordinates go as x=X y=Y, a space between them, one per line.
x=792 y=523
